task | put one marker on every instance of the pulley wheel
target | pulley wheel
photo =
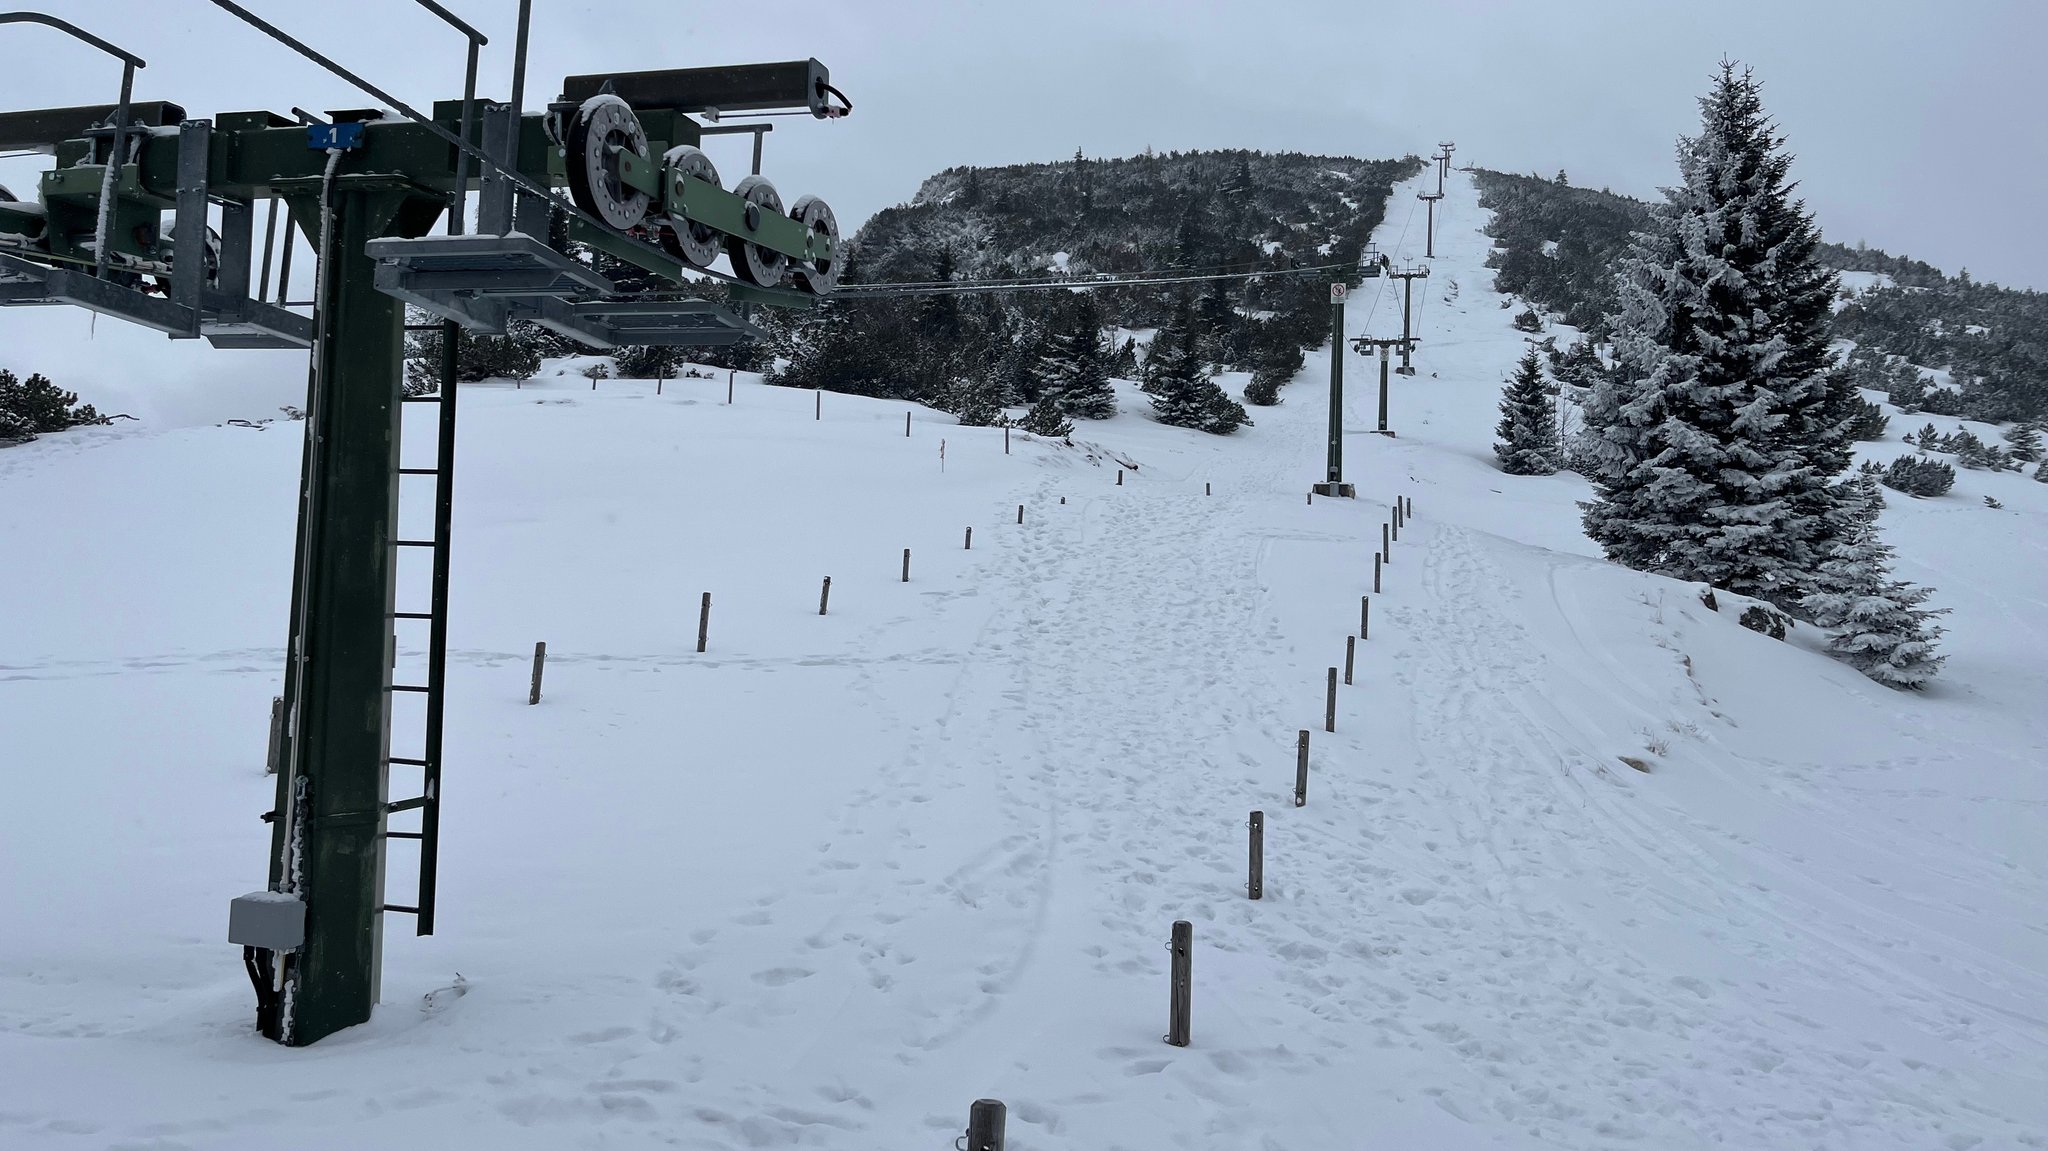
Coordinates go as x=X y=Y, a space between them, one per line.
x=209 y=256
x=695 y=244
x=751 y=261
x=601 y=124
x=819 y=274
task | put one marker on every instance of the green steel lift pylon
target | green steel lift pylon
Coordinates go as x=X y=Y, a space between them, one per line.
x=365 y=190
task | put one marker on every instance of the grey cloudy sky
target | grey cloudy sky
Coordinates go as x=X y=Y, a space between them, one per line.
x=1918 y=125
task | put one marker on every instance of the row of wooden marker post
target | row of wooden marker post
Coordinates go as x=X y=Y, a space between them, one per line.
x=1180 y=945
x=540 y=650
x=986 y=1118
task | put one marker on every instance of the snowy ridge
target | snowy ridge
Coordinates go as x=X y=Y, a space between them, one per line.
x=826 y=883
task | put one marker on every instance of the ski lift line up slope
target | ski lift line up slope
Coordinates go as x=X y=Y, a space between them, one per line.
x=837 y=876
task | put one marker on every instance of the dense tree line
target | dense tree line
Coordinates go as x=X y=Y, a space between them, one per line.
x=1202 y=212
x=1557 y=246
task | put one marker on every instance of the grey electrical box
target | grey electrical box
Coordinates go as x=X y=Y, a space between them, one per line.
x=274 y=920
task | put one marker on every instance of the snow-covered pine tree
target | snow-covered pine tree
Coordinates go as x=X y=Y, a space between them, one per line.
x=1074 y=368
x=1880 y=628
x=1528 y=422
x=976 y=403
x=2024 y=442
x=1905 y=386
x=1183 y=395
x=1712 y=446
x=1045 y=419
x=35 y=405
x=1224 y=415
x=1124 y=365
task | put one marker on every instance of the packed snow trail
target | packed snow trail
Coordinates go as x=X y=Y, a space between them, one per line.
x=829 y=881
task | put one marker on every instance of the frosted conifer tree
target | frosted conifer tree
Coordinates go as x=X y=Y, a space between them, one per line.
x=1880 y=628
x=976 y=402
x=1712 y=444
x=1074 y=368
x=1528 y=422
x=1044 y=419
x=1183 y=395
x=2024 y=442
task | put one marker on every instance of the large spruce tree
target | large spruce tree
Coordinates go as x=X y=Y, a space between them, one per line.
x=1074 y=366
x=1713 y=443
x=1178 y=380
x=1528 y=422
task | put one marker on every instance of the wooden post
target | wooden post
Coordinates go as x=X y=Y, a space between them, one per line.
x=275 y=751
x=1311 y=497
x=1396 y=529
x=1182 y=947
x=1350 y=651
x=1205 y=489
x=540 y=659
x=1020 y=513
x=1365 y=617
x=1301 y=769
x=818 y=412
x=1330 y=703
x=1119 y=477
x=659 y=380
x=1257 y=887
x=1006 y=439
x=704 y=622
x=825 y=595
x=969 y=545
x=1386 y=545
x=729 y=376
x=906 y=425
x=1375 y=573
x=1063 y=501
x=1410 y=501
x=906 y=565
x=985 y=1122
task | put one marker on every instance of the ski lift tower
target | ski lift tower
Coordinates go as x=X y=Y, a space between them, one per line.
x=365 y=188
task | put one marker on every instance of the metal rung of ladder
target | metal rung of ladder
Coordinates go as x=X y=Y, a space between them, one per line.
x=428 y=803
x=400 y=907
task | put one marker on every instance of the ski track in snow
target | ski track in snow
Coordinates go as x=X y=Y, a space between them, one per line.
x=1483 y=930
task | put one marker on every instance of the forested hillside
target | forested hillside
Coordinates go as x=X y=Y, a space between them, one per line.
x=1557 y=245
x=1202 y=212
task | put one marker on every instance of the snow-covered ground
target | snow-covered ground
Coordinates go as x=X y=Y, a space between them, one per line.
x=828 y=882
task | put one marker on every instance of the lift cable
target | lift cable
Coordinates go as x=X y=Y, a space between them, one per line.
x=1148 y=279
x=1381 y=294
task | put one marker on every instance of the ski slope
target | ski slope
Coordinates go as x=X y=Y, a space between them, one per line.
x=826 y=883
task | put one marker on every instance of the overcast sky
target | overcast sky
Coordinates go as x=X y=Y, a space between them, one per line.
x=1918 y=125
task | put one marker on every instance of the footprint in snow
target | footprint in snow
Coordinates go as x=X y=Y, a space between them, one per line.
x=779 y=976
